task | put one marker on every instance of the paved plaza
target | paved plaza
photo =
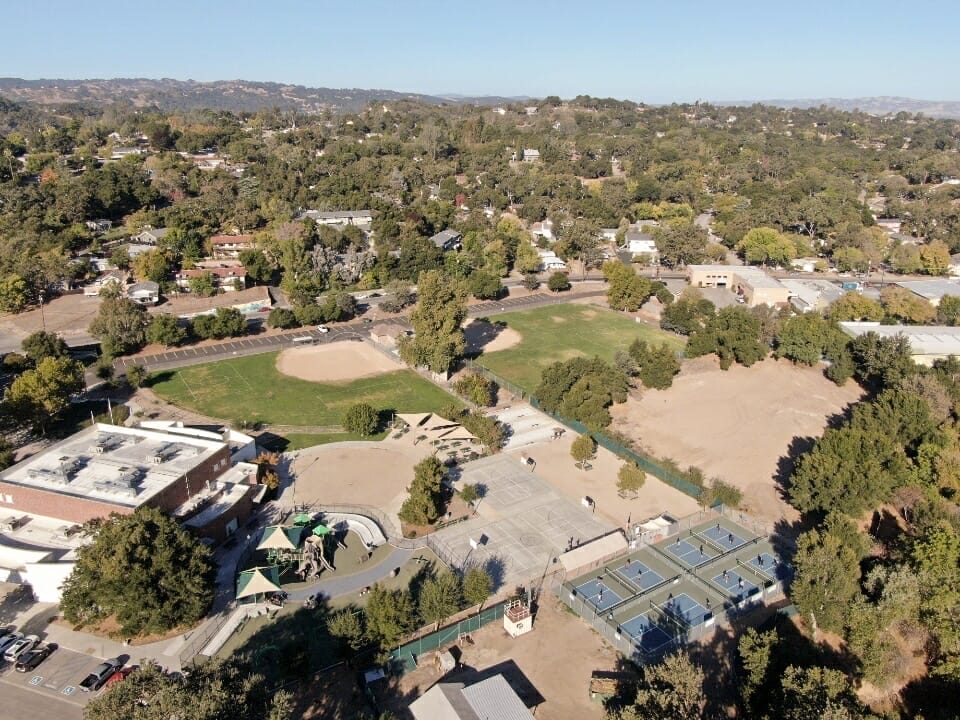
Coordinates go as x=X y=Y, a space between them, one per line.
x=521 y=523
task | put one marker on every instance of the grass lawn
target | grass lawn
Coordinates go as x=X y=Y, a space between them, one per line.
x=251 y=388
x=299 y=441
x=560 y=332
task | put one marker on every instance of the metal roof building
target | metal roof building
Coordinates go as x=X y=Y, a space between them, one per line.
x=927 y=342
x=490 y=699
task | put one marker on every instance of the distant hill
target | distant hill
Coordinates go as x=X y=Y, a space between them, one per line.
x=881 y=105
x=234 y=95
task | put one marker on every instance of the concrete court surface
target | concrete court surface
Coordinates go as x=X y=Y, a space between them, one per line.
x=524 y=521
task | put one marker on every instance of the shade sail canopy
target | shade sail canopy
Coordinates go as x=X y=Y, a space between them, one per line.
x=321 y=530
x=277 y=537
x=258 y=581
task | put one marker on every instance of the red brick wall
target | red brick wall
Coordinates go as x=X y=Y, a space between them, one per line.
x=44 y=502
x=177 y=493
x=217 y=529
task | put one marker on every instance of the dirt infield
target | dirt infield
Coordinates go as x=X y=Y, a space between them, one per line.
x=737 y=424
x=334 y=362
x=489 y=337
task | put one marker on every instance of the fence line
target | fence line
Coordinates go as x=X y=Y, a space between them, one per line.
x=510 y=387
x=667 y=476
x=406 y=657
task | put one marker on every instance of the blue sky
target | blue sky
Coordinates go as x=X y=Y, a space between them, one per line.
x=664 y=51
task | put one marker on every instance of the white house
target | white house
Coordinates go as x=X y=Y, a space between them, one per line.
x=542 y=229
x=550 y=261
x=640 y=243
x=144 y=293
x=530 y=155
x=149 y=236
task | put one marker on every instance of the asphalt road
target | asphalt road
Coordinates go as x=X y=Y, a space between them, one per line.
x=357 y=330
x=50 y=691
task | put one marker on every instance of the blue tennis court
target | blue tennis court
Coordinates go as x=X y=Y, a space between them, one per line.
x=598 y=594
x=769 y=565
x=688 y=553
x=723 y=538
x=640 y=575
x=687 y=610
x=738 y=586
x=647 y=636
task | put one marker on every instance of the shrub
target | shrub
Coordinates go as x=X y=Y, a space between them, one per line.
x=361 y=419
x=282 y=318
x=558 y=282
x=477 y=389
x=136 y=374
x=630 y=478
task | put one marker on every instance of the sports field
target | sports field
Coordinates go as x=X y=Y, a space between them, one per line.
x=252 y=388
x=560 y=332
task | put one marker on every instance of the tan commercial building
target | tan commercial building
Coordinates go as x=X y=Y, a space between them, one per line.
x=750 y=283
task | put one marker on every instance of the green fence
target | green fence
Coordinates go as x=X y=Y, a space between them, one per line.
x=645 y=464
x=510 y=387
x=406 y=656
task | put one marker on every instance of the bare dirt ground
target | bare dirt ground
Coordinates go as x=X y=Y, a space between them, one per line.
x=555 y=465
x=68 y=315
x=335 y=362
x=376 y=474
x=736 y=424
x=488 y=337
x=553 y=661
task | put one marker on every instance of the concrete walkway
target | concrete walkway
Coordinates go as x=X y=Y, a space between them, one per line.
x=352 y=584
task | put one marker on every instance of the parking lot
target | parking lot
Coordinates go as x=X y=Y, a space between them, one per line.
x=52 y=690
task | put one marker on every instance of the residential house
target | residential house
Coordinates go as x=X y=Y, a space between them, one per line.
x=932 y=290
x=121 y=152
x=134 y=249
x=149 y=236
x=532 y=110
x=98 y=226
x=361 y=218
x=230 y=246
x=113 y=277
x=489 y=699
x=640 y=243
x=808 y=264
x=889 y=225
x=550 y=261
x=530 y=155
x=542 y=229
x=144 y=293
x=227 y=278
x=448 y=239
x=954 y=268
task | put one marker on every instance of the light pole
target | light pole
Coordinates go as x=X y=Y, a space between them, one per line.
x=43 y=318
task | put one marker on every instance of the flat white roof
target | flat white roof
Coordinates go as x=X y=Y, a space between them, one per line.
x=113 y=464
x=594 y=550
x=923 y=339
x=932 y=289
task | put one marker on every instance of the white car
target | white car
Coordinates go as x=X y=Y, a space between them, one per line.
x=9 y=640
x=323 y=329
x=20 y=647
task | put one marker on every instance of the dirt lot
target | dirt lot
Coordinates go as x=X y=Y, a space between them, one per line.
x=555 y=465
x=737 y=424
x=556 y=659
x=362 y=473
x=335 y=362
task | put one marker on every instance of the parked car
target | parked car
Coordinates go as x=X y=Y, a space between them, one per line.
x=323 y=329
x=30 y=660
x=100 y=674
x=24 y=644
x=9 y=639
x=119 y=676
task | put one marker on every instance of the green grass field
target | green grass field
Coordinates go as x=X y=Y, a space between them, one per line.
x=251 y=388
x=560 y=332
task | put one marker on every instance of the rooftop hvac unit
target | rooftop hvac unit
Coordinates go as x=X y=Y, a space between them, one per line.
x=156 y=459
x=97 y=449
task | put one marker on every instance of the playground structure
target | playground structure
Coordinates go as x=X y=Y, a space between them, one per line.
x=312 y=558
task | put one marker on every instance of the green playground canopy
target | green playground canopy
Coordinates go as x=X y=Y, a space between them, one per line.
x=322 y=530
x=302 y=519
x=277 y=537
x=258 y=581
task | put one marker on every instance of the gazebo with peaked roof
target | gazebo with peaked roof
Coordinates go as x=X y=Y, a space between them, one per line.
x=258 y=581
x=437 y=430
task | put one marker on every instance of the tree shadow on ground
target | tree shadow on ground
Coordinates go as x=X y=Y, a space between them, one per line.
x=480 y=333
x=786 y=464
